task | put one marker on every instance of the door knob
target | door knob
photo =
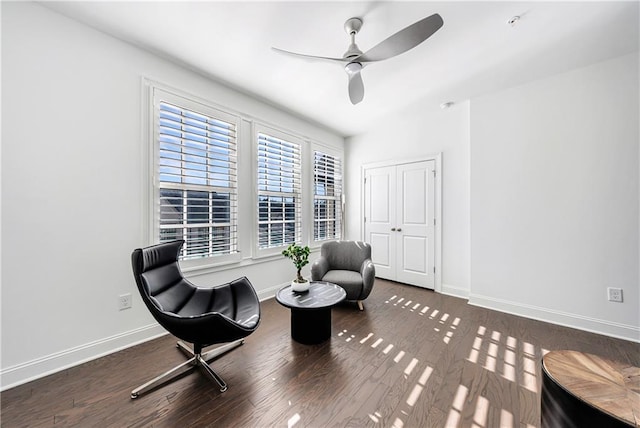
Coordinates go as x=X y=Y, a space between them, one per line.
x=399 y=230
x=393 y=229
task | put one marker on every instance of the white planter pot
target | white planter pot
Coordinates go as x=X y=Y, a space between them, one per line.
x=300 y=287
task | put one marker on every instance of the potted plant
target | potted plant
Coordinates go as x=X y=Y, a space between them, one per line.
x=300 y=258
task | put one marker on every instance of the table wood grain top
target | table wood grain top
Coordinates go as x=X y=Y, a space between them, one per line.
x=610 y=386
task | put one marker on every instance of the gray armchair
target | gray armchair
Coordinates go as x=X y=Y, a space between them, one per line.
x=348 y=264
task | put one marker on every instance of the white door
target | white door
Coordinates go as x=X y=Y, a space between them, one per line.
x=380 y=219
x=400 y=221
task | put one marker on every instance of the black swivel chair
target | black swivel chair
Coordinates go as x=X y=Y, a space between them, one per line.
x=198 y=315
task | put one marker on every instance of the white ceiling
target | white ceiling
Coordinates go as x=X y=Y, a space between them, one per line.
x=475 y=52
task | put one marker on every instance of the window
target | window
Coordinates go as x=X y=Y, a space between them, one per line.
x=327 y=196
x=196 y=176
x=279 y=191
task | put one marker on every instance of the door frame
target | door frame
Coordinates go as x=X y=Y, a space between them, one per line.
x=437 y=157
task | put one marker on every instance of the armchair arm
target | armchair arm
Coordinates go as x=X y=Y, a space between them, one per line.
x=319 y=268
x=368 y=272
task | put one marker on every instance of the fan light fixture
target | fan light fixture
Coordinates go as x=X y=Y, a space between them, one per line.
x=398 y=43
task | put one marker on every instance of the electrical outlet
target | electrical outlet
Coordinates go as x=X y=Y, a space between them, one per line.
x=614 y=294
x=124 y=301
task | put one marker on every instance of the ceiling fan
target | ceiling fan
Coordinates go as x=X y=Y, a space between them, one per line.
x=398 y=43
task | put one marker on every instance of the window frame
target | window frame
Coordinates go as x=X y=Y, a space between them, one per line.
x=158 y=94
x=339 y=200
x=301 y=239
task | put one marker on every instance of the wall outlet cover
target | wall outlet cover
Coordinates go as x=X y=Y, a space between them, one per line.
x=614 y=294
x=124 y=301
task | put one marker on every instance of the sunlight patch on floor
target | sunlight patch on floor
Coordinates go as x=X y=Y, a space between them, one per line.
x=412 y=365
x=490 y=345
x=476 y=347
x=506 y=418
x=366 y=338
x=419 y=387
x=457 y=406
x=375 y=417
x=481 y=413
x=447 y=337
x=435 y=313
x=529 y=367
x=293 y=420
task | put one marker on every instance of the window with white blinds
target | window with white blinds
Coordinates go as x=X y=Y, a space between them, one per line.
x=327 y=199
x=197 y=173
x=279 y=192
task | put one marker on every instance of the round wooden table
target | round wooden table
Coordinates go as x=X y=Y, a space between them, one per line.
x=311 y=310
x=585 y=390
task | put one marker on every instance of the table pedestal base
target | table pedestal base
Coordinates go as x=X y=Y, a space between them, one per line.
x=310 y=326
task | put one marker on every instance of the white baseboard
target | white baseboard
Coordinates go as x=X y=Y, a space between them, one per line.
x=452 y=290
x=40 y=367
x=594 y=325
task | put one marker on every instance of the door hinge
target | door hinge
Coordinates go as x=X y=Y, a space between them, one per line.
x=434 y=221
x=434 y=269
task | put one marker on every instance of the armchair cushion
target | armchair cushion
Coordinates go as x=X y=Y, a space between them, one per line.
x=349 y=280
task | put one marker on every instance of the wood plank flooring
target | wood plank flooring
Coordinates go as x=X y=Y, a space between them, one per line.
x=413 y=358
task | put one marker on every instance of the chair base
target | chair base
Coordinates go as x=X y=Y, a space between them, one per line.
x=196 y=360
x=360 y=305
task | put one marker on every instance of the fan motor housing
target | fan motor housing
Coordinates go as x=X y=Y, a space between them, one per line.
x=353 y=25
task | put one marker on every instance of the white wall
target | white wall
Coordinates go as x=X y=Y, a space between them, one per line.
x=73 y=188
x=420 y=131
x=540 y=193
x=554 y=198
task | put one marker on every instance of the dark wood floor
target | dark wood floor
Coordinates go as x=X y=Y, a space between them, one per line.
x=413 y=358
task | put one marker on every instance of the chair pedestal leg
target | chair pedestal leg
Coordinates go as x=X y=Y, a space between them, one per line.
x=221 y=350
x=185 y=348
x=208 y=370
x=361 y=305
x=200 y=359
x=165 y=377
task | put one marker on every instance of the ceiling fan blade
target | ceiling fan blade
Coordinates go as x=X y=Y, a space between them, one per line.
x=403 y=40
x=356 y=88
x=312 y=57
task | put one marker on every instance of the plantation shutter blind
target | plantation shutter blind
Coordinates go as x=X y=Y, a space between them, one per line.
x=327 y=201
x=197 y=169
x=279 y=192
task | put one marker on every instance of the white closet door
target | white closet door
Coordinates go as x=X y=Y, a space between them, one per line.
x=415 y=228
x=380 y=219
x=399 y=221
